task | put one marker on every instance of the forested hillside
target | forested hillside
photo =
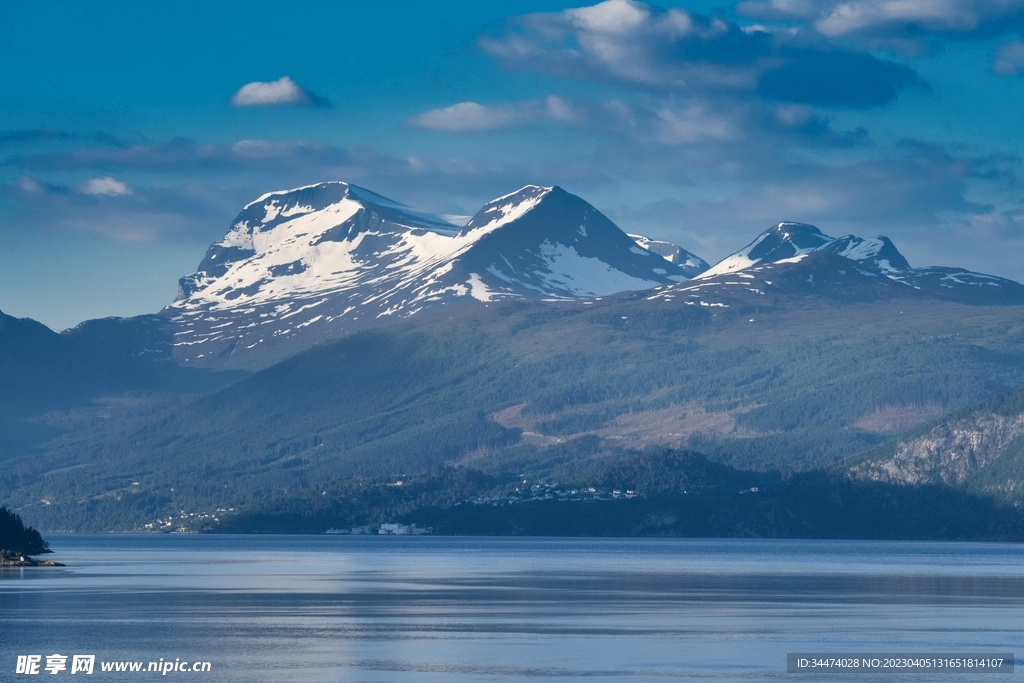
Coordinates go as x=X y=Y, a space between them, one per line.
x=763 y=383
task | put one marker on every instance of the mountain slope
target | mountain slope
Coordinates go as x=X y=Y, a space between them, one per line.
x=42 y=370
x=312 y=264
x=501 y=386
x=799 y=352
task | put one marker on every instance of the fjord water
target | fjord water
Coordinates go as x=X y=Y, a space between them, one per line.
x=350 y=608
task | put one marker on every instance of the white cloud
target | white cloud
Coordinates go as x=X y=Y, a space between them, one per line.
x=106 y=186
x=941 y=15
x=283 y=91
x=611 y=16
x=472 y=116
x=467 y=116
x=1009 y=60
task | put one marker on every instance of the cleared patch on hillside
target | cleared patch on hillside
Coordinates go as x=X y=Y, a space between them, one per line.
x=672 y=426
x=895 y=418
x=513 y=418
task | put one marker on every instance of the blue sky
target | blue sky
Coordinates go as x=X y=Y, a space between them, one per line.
x=132 y=133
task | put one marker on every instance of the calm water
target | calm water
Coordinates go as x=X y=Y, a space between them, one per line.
x=333 y=608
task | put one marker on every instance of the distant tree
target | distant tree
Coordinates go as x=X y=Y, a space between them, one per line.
x=15 y=537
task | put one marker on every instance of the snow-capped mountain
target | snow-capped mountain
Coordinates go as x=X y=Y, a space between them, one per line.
x=773 y=257
x=543 y=242
x=302 y=266
x=782 y=241
x=691 y=264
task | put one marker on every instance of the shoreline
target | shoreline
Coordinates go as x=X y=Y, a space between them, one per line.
x=29 y=562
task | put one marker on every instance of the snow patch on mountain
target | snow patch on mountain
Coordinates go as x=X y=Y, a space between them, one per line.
x=568 y=271
x=878 y=251
x=506 y=209
x=691 y=264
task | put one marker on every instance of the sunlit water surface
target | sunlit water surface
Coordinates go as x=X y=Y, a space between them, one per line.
x=342 y=608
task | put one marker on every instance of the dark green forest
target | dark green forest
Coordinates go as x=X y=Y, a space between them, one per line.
x=16 y=538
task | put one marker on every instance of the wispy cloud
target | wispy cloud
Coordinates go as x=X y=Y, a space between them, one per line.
x=107 y=186
x=469 y=116
x=31 y=187
x=14 y=137
x=656 y=121
x=282 y=92
x=289 y=163
x=902 y=24
x=1009 y=60
x=36 y=136
x=183 y=214
x=183 y=155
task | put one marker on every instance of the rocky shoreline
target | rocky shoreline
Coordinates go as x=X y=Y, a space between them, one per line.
x=23 y=561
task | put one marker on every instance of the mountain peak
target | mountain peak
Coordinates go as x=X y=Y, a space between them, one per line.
x=292 y=223
x=850 y=263
x=781 y=241
x=794 y=227
x=333 y=198
x=787 y=239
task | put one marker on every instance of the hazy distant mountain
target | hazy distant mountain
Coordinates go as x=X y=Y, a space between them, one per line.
x=311 y=264
x=43 y=371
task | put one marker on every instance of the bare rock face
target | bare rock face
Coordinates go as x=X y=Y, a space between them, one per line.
x=950 y=453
